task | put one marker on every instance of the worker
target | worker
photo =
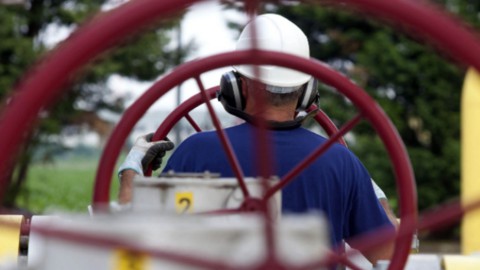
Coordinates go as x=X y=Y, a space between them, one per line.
x=336 y=183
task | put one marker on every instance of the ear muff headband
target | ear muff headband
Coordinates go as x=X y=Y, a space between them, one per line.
x=233 y=101
x=235 y=83
x=309 y=95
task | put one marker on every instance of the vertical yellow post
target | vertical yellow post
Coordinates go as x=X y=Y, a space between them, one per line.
x=470 y=156
x=10 y=226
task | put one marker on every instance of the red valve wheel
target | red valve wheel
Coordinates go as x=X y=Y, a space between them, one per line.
x=368 y=109
x=40 y=88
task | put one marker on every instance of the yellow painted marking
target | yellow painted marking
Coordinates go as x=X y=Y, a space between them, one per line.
x=184 y=202
x=10 y=236
x=128 y=260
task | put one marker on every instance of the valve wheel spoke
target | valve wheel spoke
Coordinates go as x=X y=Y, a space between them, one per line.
x=38 y=90
x=312 y=157
x=227 y=146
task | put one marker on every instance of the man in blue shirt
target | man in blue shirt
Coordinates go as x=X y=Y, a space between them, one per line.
x=336 y=183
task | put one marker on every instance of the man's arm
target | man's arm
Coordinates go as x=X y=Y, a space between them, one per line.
x=382 y=198
x=143 y=154
x=126 y=186
x=383 y=252
x=367 y=216
x=388 y=210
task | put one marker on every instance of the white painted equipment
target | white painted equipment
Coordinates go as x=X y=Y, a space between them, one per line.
x=195 y=193
x=153 y=222
x=237 y=240
x=36 y=241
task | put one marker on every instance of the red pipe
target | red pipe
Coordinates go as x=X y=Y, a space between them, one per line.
x=176 y=115
x=326 y=123
x=193 y=123
x=182 y=111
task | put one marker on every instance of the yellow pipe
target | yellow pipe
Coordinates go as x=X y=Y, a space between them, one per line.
x=470 y=156
x=10 y=226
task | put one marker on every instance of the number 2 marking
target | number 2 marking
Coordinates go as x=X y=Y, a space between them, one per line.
x=187 y=204
x=183 y=202
x=127 y=260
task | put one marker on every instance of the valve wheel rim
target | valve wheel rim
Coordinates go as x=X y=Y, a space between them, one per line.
x=368 y=109
x=442 y=30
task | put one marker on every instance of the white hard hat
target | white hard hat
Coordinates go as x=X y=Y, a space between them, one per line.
x=275 y=33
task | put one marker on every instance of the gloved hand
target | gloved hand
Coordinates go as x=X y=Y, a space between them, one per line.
x=144 y=152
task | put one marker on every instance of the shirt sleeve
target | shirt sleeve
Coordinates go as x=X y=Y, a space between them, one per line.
x=378 y=191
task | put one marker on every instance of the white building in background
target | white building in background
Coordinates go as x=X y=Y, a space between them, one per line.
x=152 y=120
x=204 y=24
x=95 y=128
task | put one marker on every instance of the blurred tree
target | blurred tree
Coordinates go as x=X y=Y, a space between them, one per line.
x=23 y=29
x=417 y=86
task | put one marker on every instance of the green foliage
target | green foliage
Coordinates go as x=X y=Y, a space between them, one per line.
x=61 y=186
x=16 y=51
x=142 y=57
x=66 y=182
x=416 y=85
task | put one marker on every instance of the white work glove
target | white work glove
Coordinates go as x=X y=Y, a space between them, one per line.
x=145 y=152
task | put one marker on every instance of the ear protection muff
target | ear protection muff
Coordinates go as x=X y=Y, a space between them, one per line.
x=309 y=95
x=230 y=93
x=232 y=99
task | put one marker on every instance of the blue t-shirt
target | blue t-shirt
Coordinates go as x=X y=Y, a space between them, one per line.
x=336 y=183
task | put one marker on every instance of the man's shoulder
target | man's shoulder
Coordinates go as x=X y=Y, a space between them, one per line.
x=316 y=138
x=200 y=137
x=336 y=153
x=206 y=136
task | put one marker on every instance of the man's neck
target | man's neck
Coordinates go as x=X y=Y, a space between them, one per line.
x=278 y=114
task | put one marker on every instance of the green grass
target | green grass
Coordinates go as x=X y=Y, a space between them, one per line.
x=65 y=185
